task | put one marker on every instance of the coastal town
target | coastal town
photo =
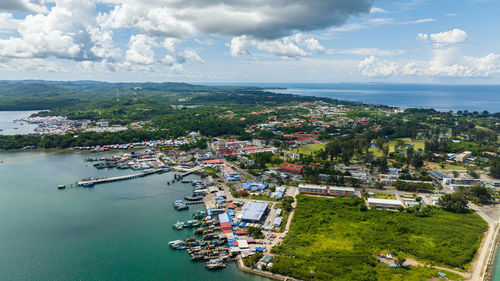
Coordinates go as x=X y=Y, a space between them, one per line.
x=247 y=213
x=274 y=187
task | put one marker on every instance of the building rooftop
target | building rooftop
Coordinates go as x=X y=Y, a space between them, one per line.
x=253 y=211
x=384 y=201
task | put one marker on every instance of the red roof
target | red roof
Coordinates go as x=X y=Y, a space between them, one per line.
x=303 y=139
x=241 y=232
x=226 y=225
x=215 y=161
x=291 y=168
x=231 y=206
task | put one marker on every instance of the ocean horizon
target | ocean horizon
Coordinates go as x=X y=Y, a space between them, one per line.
x=440 y=97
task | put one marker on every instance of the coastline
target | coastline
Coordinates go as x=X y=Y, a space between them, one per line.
x=492 y=256
x=266 y=274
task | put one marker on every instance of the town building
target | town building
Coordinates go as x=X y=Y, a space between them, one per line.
x=291 y=168
x=385 y=203
x=291 y=155
x=326 y=190
x=230 y=174
x=253 y=212
x=463 y=156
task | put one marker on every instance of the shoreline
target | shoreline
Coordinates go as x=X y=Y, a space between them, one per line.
x=492 y=256
x=267 y=274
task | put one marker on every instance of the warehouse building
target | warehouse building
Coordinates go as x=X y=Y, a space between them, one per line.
x=385 y=203
x=253 y=212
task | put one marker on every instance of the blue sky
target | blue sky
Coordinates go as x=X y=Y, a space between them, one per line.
x=414 y=41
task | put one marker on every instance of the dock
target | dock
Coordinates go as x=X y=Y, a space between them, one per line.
x=120 y=178
x=186 y=172
x=194 y=202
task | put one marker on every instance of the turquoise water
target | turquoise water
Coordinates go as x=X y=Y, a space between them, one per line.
x=114 y=231
x=496 y=273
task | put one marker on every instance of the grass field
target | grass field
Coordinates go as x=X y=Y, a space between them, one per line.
x=310 y=148
x=447 y=167
x=332 y=239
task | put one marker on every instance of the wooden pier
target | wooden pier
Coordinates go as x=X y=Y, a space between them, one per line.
x=120 y=178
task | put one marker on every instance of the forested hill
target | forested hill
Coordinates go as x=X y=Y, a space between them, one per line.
x=35 y=94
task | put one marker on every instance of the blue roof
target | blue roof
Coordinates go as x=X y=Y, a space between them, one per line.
x=254 y=185
x=223 y=218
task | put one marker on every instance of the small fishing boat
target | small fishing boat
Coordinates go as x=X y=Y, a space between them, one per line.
x=179 y=225
x=215 y=264
x=61 y=186
x=177 y=244
x=193 y=198
x=182 y=207
x=193 y=223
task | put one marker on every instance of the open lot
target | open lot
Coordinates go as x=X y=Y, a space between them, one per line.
x=336 y=240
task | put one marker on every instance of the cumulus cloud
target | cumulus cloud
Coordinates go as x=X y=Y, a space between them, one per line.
x=8 y=23
x=67 y=31
x=376 y=68
x=447 y=60
x=445 y=38
x=255 y=18
x=140 y=50
x=295 y=46
x=23 y=6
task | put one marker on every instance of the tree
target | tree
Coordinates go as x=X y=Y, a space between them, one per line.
x=400 y=260
x=286 y=203
x=455 y=202
x=495 y=168
x=480 y=194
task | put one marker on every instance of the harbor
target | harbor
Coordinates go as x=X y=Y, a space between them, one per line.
x=126 y=224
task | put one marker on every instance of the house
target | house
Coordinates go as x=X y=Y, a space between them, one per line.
x=291 y=168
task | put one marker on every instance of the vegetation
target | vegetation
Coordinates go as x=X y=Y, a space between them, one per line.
x=414 y=187
x=309 y=149
x=458 y=200
x=333 y=239
x=495 y=168
x=255 y=232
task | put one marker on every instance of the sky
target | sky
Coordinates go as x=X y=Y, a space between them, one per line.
x=407 y=41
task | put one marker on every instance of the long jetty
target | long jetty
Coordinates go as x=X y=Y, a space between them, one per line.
x=186 y=171
x=120 y=178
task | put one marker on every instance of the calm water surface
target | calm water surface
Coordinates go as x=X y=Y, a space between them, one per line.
x=114 y=231
x=8 y=127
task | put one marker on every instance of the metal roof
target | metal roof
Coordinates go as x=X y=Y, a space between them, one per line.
x=253 y=211
x=384 y=201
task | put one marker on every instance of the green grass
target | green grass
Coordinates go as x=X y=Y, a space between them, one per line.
x=310 y=148
x=337 y=241
x=437 y=166
x=262 y=197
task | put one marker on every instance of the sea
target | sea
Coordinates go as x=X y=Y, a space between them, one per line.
x=440 y=97
x=114 y=231
x=10 y=127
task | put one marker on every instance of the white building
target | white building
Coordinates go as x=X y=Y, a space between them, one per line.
x=384 y=203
